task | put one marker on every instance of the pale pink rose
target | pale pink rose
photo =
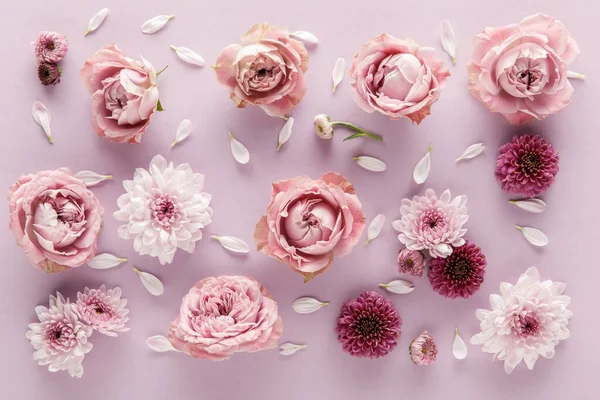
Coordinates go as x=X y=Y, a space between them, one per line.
x=520 y=70
x=308 y=222
x=124 y=94
x=397 y=78
x=267 y=69
x=224 y=315
x=55 y=218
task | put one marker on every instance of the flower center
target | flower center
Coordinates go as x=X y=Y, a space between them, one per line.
x=458 y=269
x=527 y=326
x=531 y=163
x=410 y=262
x=433 y=219
x=529 y=77
x=50 y=46
x=309 y=219
x=164 y=210
x=368 y=326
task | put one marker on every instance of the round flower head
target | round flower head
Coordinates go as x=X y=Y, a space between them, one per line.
x=411 y=262
x=49 y=74
x=527 y=165
x=423 y=350
x=459 y=274
x=164 y=209
x=429 y=223
x=323 y=127
x=368 y=326
x=50 y=47
x=103 y=310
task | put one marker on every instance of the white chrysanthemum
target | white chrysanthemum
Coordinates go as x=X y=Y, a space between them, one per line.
x=164 y=209
x=527 y=320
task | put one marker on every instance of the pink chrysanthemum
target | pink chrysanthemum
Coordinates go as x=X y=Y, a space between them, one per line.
x=50 y=47
x=411 y=262
x=103 y=310
x=429 y=223
x=527 y=165
x=423 y=350
x=49 y=74
x=368 y=326
x=460 y=274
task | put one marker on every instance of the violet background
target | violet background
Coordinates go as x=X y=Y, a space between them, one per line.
x=124 y=368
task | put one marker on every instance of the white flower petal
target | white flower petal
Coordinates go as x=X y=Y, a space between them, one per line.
x=575 y=75
x=156 y=23
x=472 y=151
x=307 y=305
x=97 y=20
x=151 y=282
x=91 y=178
x=371 y=163
x=449 y=40
x=105 y=261
x=287 y=349
x=421 y=171
x=534 y=236
x=183 y=131
x=160 y=344
x=41 y=115
x=338 y=72
x=397 y=225
x=375 y=227
x=399 y=286
x=459 y=348
x=306 y=37
x=534 y=205
x=239 y=151
x=232 y=243
x=189 y=56
x=286 y=132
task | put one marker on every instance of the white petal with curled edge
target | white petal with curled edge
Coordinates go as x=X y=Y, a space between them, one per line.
x=160 y=344
x=375 y=227
x=232 y=243
x=421 y=171
x=534 y=236
x=534 y=205
x=189 y=56
x=338 y=72
x=105 y=261
x=459 y=348
x=155 y=24
x=239 y=151
x=449 y=40
x=286 y=132
x=91 y=178
x=307 y=305
x=305 y=36
x=97 y=20
x=371 y=163
x=150 y=282
x=41 y=116
x=399 y=286
x=287 y=349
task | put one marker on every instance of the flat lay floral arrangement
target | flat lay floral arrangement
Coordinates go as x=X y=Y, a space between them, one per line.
x=521 y=70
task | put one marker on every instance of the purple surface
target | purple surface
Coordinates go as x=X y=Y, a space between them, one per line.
x=124 y=368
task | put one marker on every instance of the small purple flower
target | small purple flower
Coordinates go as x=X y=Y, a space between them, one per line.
x=50 y=47
x=411 y=262
x=423 y=350
x=49 y=74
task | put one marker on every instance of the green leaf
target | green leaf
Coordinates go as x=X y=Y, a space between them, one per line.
x=159 y=106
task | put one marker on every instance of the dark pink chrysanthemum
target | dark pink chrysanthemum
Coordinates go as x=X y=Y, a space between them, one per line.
x=368 y=326
x=50 y=47
x=527 y=165
x=103 y=310
x=49 y=74
x=460 y=274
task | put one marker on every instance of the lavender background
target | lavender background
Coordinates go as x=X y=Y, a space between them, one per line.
x=124 y=367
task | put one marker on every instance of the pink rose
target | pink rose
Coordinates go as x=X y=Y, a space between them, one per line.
x=308 y=222
x=520 y=70
x=124 y=94
x=226 y=315
x=397 y=78
x=267 y=69
x=55 y=218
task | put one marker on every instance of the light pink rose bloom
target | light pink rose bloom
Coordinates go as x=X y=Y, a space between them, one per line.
x=520 y=70
x=308 y=222
x=124 y=94
x=267 y=69
x=226 y=315
x=397 y=78
x=55 y=218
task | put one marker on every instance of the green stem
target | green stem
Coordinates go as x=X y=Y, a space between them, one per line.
x=359 y=132
x=347 y=125
x=162 y=70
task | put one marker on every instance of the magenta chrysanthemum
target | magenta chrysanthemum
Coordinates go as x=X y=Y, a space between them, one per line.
x=411 y=262
x=368 y=326
x=460 y=274
x=103 y=310
x=50 y=47
x=423 y=350
x=527 y=165
x=49 y=74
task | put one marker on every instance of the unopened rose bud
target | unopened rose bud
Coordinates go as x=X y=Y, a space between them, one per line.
x=323 y=127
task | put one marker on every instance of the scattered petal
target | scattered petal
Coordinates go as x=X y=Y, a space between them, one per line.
x=534 y=205
x=375 y=227
x=534 y=236
x=285 y=132
x=338 y=72
x=287 y=349
x=150 y=282
x=399 y=286
x=459 y=348
x=90 y=178
x=189 y=56
x=575 y=75
x=307 y=305
x=472 y=151
x=421 y=171
x=371 y=163
x=183 y=131
x=156 y=23
x=449 y=40
x=239 y=151
x=105 y=261
x=232 y=243
x=305 y=37
x=41 y=115
x=96 y=21
x=397 y=225
x=160 y=344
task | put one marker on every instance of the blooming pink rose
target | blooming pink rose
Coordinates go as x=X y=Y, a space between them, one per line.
x=520 y=70
x=55 y=218
x=226 y=315
x=124 y=94
x=267 y=69
x=397 y=78
x=308 y=222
